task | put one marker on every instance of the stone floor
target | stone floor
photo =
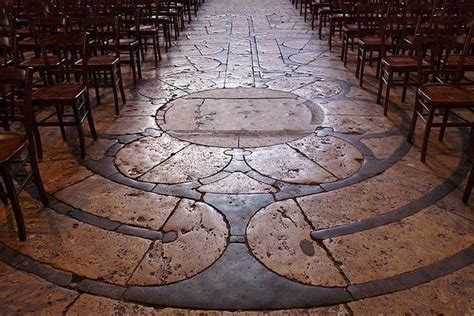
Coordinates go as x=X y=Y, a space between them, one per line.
x=248 y=172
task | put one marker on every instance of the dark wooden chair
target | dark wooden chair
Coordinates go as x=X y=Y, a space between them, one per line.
x=68 y=95
x=129 y=41
x=440 y=98
x=149 y=29
x=17 y=149
x=103 y=64
x=399 y=58
x=369 y=19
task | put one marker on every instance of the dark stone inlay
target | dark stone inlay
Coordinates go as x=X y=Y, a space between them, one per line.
x=236 y=277
x=120 y=178
x=104 y=166
x=238 y=239
x=169 y=236
x=47 y=272
x=101 y=288
x=112 y=151
x=235 y=282
x=400 y=213
x=128 y=138
x=416 y=277
x=238 y=208
x=184 y=190
x=140 y=232
x=105 y=223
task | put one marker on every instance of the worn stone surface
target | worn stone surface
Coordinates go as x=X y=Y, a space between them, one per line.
x=254 y=114
x=417 y=241
x=284 y=163
x=334 y=155
x=119 y=203
x=386 y=192
x=449 y=295
x=279 y=237
x=237 y=183
x=385 y=146
x=201 y=238
x=192 y=163
x=73 y=246
x=98 y=305
x=22 y=293
x=142 y=155
x=211 y=95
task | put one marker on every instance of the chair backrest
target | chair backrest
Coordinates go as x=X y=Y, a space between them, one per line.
x=8 y=42
x=394 y=30
x=69 y=49
x=370 y=16
x=15 y=88
x=437 y=50
x=130 y=20
x=103 y=31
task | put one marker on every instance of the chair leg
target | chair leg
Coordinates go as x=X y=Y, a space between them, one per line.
x=114 y=91
x=59 y=114
x=469 y=185
x=443 y=127
x=381 y=82
x=470 y=181
x=411 y=131
x=96 y=87
x=90 y=119
x=387 y=92
x=405 y=86
x=362 y=67
x=80 y=132
x=132 y=65
x=37 y=140
x=139 y=63
x=15 y=204
x=122 y=91
x=359 y=57
x=426 y=138
x=36 y=175
x=332 y=28
x=3 y=195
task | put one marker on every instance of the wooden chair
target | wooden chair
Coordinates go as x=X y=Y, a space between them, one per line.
x=369 y=18
x=440 y=99
x=68 y=96
x=18 y=150
x=394 y=31
x=103 y=64
x=129 y=41
x=149 y=29
x=41 y=27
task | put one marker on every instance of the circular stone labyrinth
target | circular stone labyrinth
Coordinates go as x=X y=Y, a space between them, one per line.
x=240 y=117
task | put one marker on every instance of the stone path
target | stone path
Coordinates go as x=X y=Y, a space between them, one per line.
x=247 y=172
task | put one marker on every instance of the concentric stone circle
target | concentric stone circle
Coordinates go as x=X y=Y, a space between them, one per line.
x=274 y=116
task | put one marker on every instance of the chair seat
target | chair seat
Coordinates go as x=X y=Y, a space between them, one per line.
x=372 y=42
x=125 y=42
x=10 y=144
x=38 y=62
x=453 y=61
x=148 y=29
x=98 y=61
x=402 y=62
x=23 y=32
x=59 y=92
x=348 y=28
x=447 y=94
x=27 y=42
